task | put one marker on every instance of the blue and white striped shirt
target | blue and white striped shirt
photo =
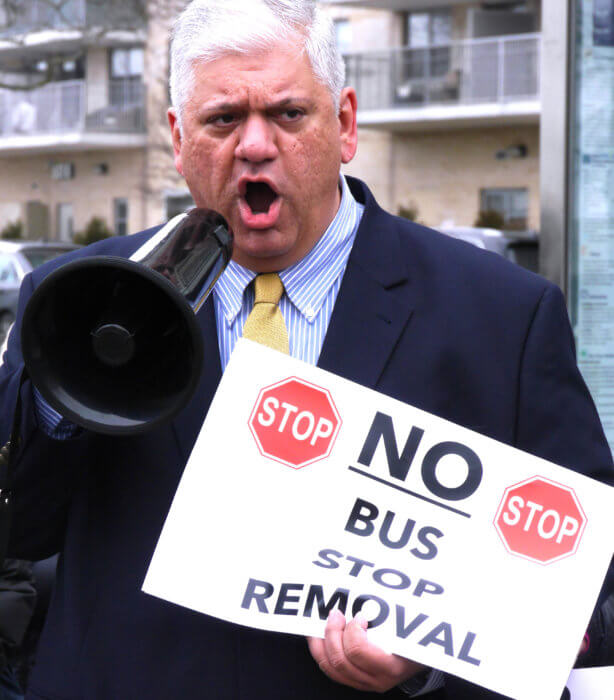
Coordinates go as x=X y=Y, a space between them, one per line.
x=311 y=287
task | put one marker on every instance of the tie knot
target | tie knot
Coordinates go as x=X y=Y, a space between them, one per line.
x=268 y=288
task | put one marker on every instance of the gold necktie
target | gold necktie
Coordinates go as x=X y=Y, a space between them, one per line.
x=265 y=324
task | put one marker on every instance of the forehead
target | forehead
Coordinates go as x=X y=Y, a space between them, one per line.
x=277 y=72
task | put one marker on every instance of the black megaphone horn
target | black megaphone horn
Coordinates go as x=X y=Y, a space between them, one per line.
x=113 y=344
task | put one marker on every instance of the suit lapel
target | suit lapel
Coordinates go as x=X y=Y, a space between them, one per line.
x=188 y=423
x=375 y=301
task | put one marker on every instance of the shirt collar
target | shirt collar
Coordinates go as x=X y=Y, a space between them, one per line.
x=308 y=281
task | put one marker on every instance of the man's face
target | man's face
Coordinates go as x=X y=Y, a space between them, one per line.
x=262 y=145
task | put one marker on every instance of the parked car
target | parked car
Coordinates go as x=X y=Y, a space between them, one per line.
x=519 y=247
x=17 y=258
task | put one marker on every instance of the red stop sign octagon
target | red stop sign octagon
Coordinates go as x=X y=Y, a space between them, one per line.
x=540 y=520
x=294 y=422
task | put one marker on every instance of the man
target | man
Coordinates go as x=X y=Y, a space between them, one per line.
x=17 y=603
x=261 y=125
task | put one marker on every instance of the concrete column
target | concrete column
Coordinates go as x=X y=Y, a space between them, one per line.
x=554 y=139
x=97 y=78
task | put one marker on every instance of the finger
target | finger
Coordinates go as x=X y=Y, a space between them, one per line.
x=335 y=664
x=316 y=648
x=366 y=656
x=333 y=641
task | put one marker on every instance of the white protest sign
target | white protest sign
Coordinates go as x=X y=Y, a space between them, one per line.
x=305 y=491
x=591 y=684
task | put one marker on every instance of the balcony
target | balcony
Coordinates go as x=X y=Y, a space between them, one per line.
x=31 y=16
x=490 y=81
x=34 y=14
x=71 y=115
x=402 y=5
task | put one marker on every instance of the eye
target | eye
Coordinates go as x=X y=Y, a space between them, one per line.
x=291 y=115
x=222 y=120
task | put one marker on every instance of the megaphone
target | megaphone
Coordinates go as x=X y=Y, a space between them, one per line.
x=113 y=344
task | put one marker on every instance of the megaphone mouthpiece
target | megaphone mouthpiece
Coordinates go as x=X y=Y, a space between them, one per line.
x=113 y=344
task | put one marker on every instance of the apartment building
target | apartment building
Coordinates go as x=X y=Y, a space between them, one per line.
x=448 y=93
x=449 y=105
x=91 y=140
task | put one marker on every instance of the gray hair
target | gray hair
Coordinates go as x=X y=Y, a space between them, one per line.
x=209 y=29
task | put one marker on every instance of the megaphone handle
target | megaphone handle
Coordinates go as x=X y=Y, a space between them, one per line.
x=7 y=459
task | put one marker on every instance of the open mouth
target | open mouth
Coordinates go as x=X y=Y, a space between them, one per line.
x=259 y=196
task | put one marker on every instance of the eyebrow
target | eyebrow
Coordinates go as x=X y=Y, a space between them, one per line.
x=272 y=106
x=288 y=101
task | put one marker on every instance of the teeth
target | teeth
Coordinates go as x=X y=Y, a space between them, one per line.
x=259 y=196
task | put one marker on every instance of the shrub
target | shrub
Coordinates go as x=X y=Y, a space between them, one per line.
x=490 y=219
x=96 y=230
x=12 y=231
x=410 y=212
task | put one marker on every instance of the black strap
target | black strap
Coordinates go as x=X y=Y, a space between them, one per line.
x=7 y=466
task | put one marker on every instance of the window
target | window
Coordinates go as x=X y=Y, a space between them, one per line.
x=343 y=35
x=8 y=273
x=126 y=63
x=428 y=28
x=428 y=34
x=126 y=71
x=120 y=216
x=62 y=171
x=70 y=68
x=30 y=70
x=511 y=203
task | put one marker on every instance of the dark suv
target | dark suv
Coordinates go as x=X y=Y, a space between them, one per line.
x=519 y=247
x=17 y=258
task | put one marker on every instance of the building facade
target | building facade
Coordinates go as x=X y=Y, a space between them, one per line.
x=449 y=106
x=449 y=112
x=90 y=139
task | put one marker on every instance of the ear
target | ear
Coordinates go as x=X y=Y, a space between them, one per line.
x=348 y=106
x=177 y=139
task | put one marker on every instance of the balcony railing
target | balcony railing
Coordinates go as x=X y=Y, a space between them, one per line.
x=30 y=15
x=73 y=105
x=493 y=70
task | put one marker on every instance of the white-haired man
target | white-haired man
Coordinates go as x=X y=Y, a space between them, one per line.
x=261 y=124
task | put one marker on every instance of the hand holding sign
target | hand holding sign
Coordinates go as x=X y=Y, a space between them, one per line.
x=347 y=656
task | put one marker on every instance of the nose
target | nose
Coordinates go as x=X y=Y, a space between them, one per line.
x=256 y=140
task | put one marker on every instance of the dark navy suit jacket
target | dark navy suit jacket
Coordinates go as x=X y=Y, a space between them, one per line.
x=421 y=317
